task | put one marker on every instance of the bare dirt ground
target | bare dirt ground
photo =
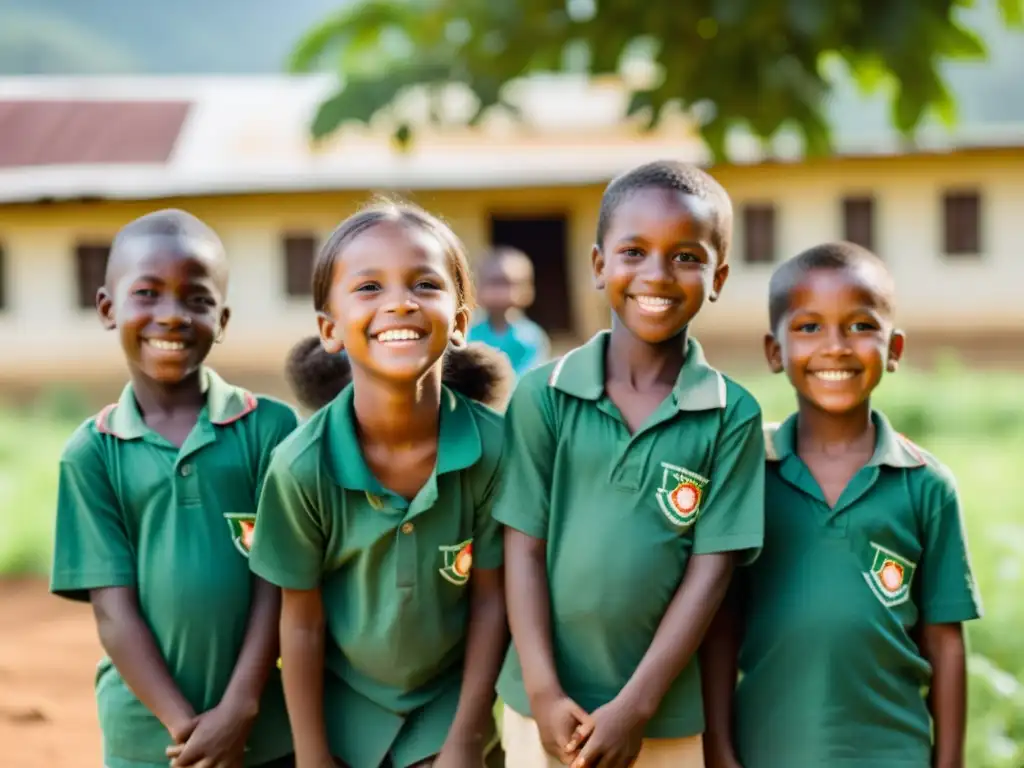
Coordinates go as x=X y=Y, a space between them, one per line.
x=48 y=655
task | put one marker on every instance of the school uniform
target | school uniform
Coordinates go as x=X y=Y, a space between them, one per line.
x=523 y=341
x=174 y=524
x=622 y=514
x=393 y=573
x=832 y=673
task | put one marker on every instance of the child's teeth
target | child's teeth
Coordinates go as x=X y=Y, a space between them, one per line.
x=399 y=335
x=170 y=346
x=834 y=375
x=653 y=303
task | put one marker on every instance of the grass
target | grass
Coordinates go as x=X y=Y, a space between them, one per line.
x=974 y=422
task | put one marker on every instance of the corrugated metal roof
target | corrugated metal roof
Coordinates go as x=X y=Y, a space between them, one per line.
x=54 y=132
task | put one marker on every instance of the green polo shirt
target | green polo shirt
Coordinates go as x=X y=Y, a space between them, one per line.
x=135 y=511
x=622 y=514
x=831 y=673
x=393 y=572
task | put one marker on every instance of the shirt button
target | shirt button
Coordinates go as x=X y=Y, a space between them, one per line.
x=186 y=470
x=407 y=527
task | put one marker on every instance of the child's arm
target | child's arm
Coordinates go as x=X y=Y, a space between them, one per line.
x=943 y=646
x=302 y=669
x=487 y=635
x=522 y=506
x=719 y=666
x=127 y=640
x=94 y=559
x=948 y=597
x=731 y=522
x=288 y=550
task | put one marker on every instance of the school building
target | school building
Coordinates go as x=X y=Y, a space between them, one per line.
x=81 y=157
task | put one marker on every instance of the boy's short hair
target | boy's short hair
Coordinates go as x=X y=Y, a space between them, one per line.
x=671 y=175
x=828 y=256
x=168 y=222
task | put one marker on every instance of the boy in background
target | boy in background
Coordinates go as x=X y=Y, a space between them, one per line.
x=505 y=290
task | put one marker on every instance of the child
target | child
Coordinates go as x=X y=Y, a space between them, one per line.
x=857 y=603
x=506 y=290
x=156 y=502
x=638 y=483
x=377 y=507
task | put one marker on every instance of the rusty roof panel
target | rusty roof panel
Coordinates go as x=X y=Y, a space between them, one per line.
x=35 y=133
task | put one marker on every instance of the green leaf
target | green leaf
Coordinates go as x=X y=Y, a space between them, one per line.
x=957 y=42
x=1012 y=12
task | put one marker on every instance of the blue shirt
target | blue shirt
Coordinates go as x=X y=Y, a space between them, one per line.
x=523 y=341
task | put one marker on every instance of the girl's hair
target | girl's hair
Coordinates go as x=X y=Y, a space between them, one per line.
x=475 y=371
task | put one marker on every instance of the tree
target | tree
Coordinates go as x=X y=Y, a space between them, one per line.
x=761 y=65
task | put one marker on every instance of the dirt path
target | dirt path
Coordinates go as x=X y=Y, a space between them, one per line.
x=48 y=655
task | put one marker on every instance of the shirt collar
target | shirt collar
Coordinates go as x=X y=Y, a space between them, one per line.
x=581 y=373
x=891 y=448
x=459 y=444
x=225 y=404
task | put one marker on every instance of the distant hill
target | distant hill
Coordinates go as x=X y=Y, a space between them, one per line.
x=153 y=36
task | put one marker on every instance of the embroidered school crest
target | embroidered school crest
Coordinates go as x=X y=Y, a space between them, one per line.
x=890 y=576
x=458 y=560
x=243 y=528
x=680 y=494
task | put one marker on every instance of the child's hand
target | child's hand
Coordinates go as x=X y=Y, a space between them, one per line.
x=558 y=719
x=613 y=737
x=218 y=740
x=460 y=754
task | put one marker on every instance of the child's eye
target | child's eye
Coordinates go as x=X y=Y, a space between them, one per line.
x=367 y=287
x=808 y=328
x=428 y=285
x=688 y=258
x=633 y=253
x=145 y=293
x=863 y=326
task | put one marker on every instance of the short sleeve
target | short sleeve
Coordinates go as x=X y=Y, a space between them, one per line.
x=948 y=591
x=523 y=499
x=488 y=540
x=288 y=543
x=92 y=548
x=732 y=519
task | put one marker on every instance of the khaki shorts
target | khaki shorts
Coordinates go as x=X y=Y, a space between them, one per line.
x=521 y=741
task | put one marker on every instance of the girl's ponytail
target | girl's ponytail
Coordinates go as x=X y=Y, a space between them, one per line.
x=475 y=371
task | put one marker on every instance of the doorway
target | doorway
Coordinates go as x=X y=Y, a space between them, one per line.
x=545 y=239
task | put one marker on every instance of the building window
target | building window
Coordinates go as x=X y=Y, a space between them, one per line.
x=759 y=233
x=299 y=254
x=91 y=271
x=961 y=215
x=859 y=221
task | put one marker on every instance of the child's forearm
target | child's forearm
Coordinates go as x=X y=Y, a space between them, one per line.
x=302 y=671
x=943 y=646
x=719 y=667
x=681 y=630
x=529 y=612
x=259 y=649
x=486 y=644
x=129 y=643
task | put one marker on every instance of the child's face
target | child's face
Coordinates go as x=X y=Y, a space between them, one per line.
x=393 y=305
x=836 y=340
x=166 y=297
x=657 y=263
x=497 y=289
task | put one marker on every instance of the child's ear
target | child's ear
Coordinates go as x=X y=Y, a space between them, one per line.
x=328 y=328
x=225 y=316
x=718 y=281
x=460 y=329
x=597 y=263
x=105 y=308
x=897 y=344
x=773 y=353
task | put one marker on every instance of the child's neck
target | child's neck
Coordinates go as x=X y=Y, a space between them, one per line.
x=160 y=400
x=820 y=432
x=500 y=321
x=641 y=365
x=398 y=415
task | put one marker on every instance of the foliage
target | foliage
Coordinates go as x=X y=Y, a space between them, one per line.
x=754 y=64
x=973 y=421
